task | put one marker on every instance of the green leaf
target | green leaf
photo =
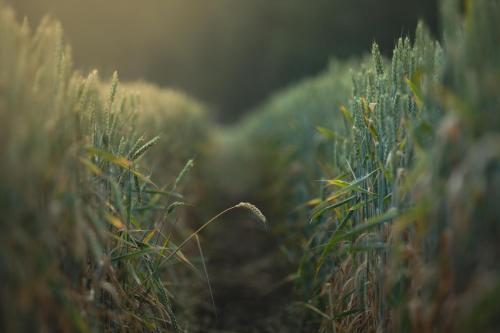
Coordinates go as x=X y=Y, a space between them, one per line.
x=119 y=161
x=347 y=115
x=318 y=211
x=415 y=89
x=360 y=228
x=326 y=133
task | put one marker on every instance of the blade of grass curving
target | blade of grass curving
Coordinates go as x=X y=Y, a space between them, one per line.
x=121 y=162
x=371 y=223
x=354 y=186
x=318 y=211
x=245 y=205
x=205 y=271
x=333 y=239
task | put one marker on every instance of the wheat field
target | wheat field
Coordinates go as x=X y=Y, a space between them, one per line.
x=371 y=193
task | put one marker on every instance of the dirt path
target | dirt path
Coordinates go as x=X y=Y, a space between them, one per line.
x=246 y=267
x=246 y=274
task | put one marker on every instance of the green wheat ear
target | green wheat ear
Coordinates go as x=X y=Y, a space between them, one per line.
x=112 y=95
x=114 y=89
x=141 y=151
x=188 y=166
x=377 y=59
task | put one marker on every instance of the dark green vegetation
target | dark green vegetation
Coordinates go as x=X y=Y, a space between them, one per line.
x=399 y=162
x=380 y=179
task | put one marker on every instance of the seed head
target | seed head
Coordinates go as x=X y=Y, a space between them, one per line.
x=253 y=209
x=144 y=148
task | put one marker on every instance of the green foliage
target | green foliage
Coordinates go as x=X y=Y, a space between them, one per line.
x=85 y=229
x=403 y=220
x=381 y=176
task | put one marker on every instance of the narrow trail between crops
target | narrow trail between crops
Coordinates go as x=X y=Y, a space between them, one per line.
x=247 y=271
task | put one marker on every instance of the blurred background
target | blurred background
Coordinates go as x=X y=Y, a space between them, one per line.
x=231 y=54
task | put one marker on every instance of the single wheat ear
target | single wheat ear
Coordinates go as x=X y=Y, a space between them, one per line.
x=141 y=151
x=245 y=205
x=256 y=211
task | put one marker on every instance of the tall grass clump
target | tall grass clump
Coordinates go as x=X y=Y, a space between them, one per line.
x=398 y=175
x=86 y=226
x=384 y=124
x=453 y=227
